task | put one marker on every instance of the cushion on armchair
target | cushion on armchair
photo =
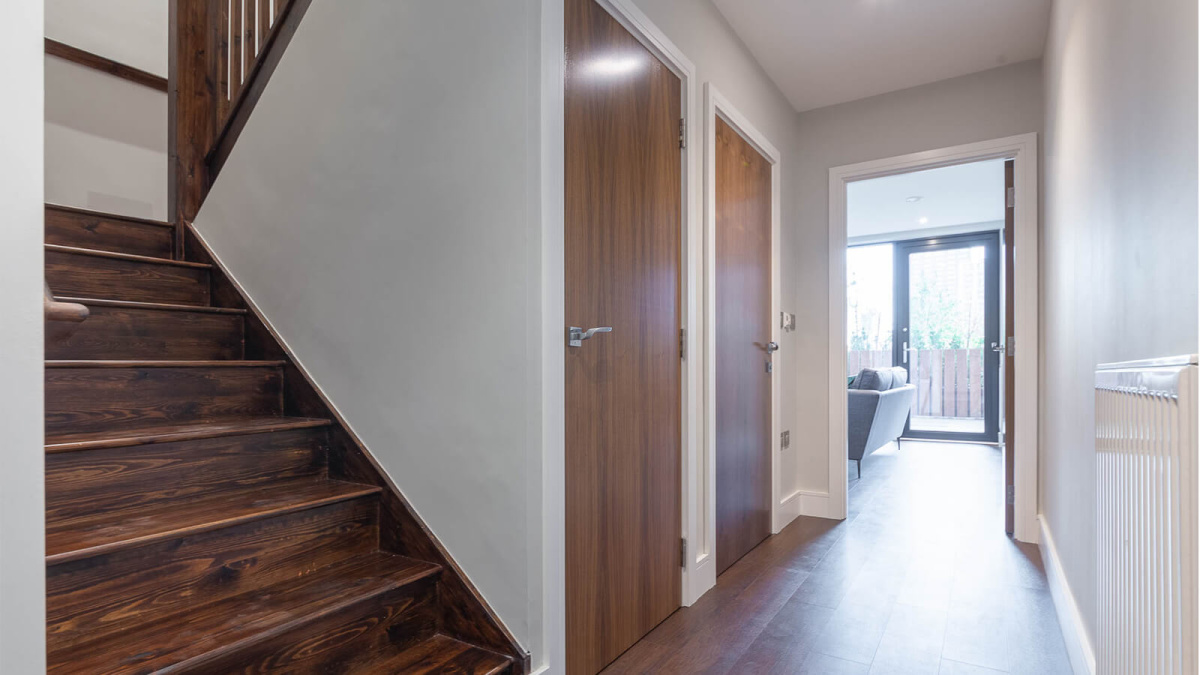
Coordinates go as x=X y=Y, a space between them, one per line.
x=879 y=379
x=874 y=379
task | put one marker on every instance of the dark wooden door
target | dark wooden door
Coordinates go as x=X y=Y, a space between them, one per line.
x=1010 y=379
x=623 y=417
x=743 y=330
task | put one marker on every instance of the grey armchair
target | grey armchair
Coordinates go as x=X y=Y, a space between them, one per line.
x=879 y=402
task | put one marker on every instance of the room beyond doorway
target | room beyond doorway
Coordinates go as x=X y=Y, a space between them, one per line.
x=924 y=301
x=932 y=307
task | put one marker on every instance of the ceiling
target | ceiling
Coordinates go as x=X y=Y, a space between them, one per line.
x=823 y=52
x=950 y=196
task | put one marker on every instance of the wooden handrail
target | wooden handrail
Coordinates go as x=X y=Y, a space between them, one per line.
x=105 y=65
x=63 y=311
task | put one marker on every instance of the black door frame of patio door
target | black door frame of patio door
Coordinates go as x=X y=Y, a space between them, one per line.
x=991 y=322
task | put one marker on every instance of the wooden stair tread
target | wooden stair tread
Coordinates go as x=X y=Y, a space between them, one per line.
x=108 y=531
x=437 y=654
x=106 y=363
x=99 y=253
x=107 y=216
x=199 y=635
x=177 y=432
x=159 y=306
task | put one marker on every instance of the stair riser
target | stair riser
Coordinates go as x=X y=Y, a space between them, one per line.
x=107 y=233
x=76 y=275
x=332 y=643
x=121 y=333
x=85 y=598
x=148 y=475
x=97 y=399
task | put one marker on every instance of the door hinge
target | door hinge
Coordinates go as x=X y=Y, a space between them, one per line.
x=1010 y=495
x=682 y=552
x=683 y=344
x=1011 y=197
x=682 y=132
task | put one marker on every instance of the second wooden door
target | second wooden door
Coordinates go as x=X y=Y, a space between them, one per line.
x=743 y=336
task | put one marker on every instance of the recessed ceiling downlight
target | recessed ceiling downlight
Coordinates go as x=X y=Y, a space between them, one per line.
x=913 y=199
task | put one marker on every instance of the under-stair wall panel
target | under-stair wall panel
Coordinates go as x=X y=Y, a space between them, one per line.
x=383 y=225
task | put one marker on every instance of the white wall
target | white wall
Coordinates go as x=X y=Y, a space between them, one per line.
x=993 y=104
x=133 y=32
x=380 y=209
x=106 y=138
x=106 y=142
x=22 y=513
x=1119 y=232
x=700 y=31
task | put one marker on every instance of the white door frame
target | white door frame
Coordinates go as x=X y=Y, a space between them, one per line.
x=705 y=527
x=1023 y=149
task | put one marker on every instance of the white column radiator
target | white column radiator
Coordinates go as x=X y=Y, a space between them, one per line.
x=1146 y=529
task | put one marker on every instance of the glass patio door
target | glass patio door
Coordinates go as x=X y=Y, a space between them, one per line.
x=947 y=316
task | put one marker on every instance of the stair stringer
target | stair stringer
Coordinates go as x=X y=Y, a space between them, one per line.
x=465 y=613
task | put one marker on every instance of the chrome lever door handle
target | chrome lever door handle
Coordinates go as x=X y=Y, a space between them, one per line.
x=576 y=335
x=772 y=347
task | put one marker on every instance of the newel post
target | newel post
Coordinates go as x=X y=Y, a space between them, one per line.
x=192 y=105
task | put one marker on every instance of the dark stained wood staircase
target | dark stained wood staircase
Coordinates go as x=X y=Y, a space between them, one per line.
x=206 y=511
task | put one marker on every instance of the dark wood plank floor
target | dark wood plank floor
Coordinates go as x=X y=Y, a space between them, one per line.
x=919 y=579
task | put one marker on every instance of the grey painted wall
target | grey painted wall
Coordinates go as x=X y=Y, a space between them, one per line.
x=1119 y=233
x=22 y=510
x=992 y=104
x=377 y=208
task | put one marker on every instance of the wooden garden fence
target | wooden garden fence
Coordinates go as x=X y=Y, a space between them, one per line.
x=949 y=381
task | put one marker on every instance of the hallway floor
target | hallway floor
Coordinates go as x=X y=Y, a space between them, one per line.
x=920 y=579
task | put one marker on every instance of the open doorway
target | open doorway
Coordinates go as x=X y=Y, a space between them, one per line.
x=925 y=313
x=1019 y=327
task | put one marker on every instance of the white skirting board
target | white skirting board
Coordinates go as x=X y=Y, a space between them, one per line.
x=785 y=512
x=1079 y=646
x=812 y=504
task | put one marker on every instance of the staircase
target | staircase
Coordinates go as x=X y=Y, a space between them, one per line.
x=206 y=512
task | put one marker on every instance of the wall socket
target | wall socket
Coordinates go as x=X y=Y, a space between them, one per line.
x=785 y=440
x=787 y=321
